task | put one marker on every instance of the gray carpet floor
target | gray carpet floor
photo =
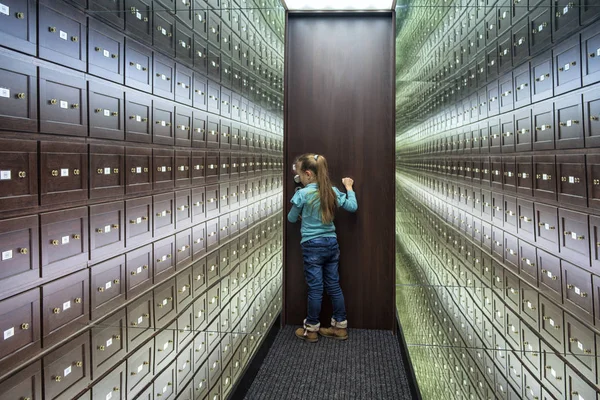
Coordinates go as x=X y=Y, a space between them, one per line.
x=366 y=366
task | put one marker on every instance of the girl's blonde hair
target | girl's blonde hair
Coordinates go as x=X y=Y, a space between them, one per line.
x=318 y=165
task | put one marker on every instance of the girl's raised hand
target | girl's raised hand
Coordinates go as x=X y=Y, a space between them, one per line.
x=348 y=182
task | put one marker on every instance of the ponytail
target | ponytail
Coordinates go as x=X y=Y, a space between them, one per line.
x=318 y=165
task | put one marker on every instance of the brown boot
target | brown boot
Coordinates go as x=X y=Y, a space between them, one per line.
x=308 y=333
x=338 y=330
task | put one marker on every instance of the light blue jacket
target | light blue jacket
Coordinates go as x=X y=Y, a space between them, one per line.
x=306 y=203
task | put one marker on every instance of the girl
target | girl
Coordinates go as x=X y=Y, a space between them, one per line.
x=315 y=205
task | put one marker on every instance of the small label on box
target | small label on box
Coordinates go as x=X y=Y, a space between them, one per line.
x=64 y=104
x=107 y=113
x=138 y=170
x=138 y=15
x=138 y=220
x=551 y=322
x=549 y=274
x=67 y=371
x=4 y=9
x=138 y=67
x=183 y=288
x=140 y=320
x=4 y=92
x=7 y=255
x=183 y=365
x=577 y=290
x=163 y=123
x=529 y=304
x=5 y=175
x=571 y=179
x=109 y=396
x=108 y=285
x=65 y=239
x=573 y=235
x=66 y=305
x=64 y=172
x=165 y=302
x=547 y=226
x=138 y=270
x=138 y=118
x=107 y=229
x=64 y=35
x=107 y=171
x=164 y=389
x=569 y=122
x=567 y=67
x=565 y=10
x=140 y=368
x=106 y=53
x=163 y=31
x=540 y=28
x=163 y=77
x=165 y=346
x=9 y=333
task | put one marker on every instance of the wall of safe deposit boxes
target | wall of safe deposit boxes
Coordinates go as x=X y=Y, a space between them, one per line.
x=499 y=183
x=140 y=206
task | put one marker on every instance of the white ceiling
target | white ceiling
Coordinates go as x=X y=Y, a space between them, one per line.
x=338 y=5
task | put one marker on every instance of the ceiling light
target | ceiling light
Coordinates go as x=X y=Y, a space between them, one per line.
x=326 y=5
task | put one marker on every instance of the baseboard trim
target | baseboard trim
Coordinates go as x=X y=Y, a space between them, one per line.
x=408 y=366
x=251 y=370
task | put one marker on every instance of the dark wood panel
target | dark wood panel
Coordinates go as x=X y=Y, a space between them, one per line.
x=339 y=103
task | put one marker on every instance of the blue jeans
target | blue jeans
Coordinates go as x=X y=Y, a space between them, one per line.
x=321 y=258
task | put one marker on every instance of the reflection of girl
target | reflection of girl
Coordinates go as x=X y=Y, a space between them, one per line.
x=315 y=205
